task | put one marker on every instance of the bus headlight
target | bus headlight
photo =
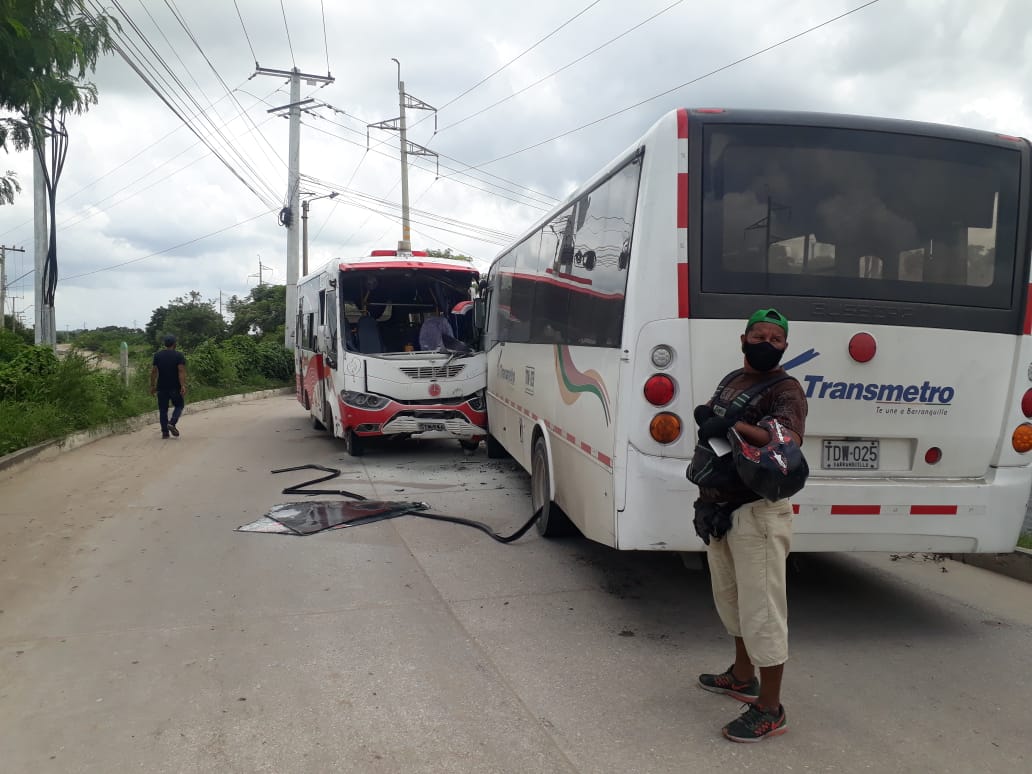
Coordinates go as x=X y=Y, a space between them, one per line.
x=477 y=401
x=665 y=427
x=364 y=400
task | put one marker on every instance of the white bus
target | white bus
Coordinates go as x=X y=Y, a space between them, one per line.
x=385 y=348
x=899 y=251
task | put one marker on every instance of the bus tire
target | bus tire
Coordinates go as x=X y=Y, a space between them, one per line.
x=469 y=446
x=495 y=450
x=551 y=522
x=353 y=444
x=317 y=423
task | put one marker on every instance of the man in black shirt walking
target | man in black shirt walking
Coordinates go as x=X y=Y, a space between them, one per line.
x=168 y=381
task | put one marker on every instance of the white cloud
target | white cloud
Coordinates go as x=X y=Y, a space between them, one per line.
x=137 y=182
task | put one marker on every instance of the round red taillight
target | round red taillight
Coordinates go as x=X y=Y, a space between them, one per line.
x=659 y=390
x=933 y=455
x=1026 y=404
x=862 y=347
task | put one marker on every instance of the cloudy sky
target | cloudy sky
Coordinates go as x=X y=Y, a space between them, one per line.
x=147 y=212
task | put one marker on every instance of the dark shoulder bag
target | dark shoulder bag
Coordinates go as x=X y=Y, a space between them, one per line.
x=707 y=468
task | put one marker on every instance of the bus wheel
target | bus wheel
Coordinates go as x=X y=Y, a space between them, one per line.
x=469 y=446
x=495 y=450
x=552 y=522
x=353 y=443
x=317 y=423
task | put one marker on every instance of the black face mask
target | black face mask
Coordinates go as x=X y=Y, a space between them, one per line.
x=763 y=356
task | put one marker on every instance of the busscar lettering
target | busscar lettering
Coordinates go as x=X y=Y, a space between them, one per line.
x=870 y=312
x=926 y=393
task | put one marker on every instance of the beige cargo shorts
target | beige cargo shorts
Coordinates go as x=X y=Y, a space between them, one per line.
x=747 y=571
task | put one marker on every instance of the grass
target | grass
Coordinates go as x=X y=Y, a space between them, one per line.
x=44 y=398
x=1025 y=541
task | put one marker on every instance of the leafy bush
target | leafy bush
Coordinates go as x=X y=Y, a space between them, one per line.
x=23 y=423
x=28 y=374
x=11 y=344
x=44 y=397
x=212 y=365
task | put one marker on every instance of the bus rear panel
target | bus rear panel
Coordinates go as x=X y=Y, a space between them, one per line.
x=899 y=253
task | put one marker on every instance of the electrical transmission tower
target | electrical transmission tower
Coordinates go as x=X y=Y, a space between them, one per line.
x=407 y=149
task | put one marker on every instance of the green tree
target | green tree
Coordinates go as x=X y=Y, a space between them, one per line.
x=262 y=312
x=447 y=253
x=189 y=318
x=47 y=47
x=8 y=187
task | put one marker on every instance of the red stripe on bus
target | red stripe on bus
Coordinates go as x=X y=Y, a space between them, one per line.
x=855 y=510
x=933 y=510
x=682 y=290
x=682 y=200
x=570 y=438
x=1028 y=312
x=585 y=447
x=682 y=124
x=605 y=460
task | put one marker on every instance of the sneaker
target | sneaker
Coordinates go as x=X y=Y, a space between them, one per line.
x=174 y=430
x=756 y=724
x=747 y=691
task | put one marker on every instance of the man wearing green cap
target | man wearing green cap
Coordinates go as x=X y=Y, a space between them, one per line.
x=747 y=555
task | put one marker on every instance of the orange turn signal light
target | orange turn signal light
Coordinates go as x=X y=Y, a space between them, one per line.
x=1021 y=439
x=666 y=427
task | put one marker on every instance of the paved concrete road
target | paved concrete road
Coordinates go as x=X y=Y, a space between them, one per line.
x=139 y=632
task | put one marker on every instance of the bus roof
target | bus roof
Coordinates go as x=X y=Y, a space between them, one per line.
x=390 y=259
x=850 y=121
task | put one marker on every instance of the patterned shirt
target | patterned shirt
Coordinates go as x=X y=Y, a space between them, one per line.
x=785 y=401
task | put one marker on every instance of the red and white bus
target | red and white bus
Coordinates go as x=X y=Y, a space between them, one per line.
x=386 y=347
x=899 y=251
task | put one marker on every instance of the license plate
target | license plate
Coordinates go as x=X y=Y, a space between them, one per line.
x=432 y=426
x=850 y=455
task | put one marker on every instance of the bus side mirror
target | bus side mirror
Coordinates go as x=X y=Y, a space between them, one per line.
x=479 y=313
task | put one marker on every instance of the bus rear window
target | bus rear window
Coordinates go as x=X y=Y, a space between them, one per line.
x=837 y=213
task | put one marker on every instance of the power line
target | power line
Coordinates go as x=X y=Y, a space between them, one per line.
x=169 y=249
x=140 y=64
x=151 y=76
x=544 y=201
x=680 y=86
x=240 y=16
x=287 y=28
x=543 y=207
x=93 y=208
x=242 y=112
x=355 y=195
x=347 y=187
x=526 y=51
x=564 y=67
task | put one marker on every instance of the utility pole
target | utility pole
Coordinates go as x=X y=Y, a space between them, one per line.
x=304 y=229
x=43 y=313
x=3 y=282
x=288 y=215
x=407 y=149
x=261 y=266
